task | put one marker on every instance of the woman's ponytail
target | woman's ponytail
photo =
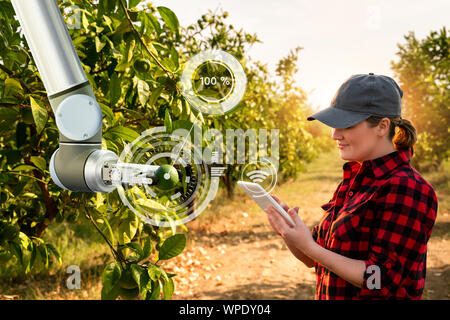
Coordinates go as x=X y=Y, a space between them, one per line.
x=404 y=138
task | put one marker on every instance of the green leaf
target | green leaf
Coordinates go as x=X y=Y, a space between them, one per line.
x=16 y=250
x=55 y=253
x=168 y=64
x=143 y=91
x=216 y=124
x=186 y=110
x=12 y=88
x=99 y=45
x=109 y=145
x=128 y=229
x=152 y=49
x=110 y=232
x=107 y=112
x=39 y=162
x=136 y=248
x=110 y=293
x=135 y=191
x=24 y=167
x=85 y=22
x=115 y=89
x=177 y=108
x=172 y=246
x=147 y=248
x=126 y=134
x=30 y=195
x=144 y=284
x=32 y=258
x=129 y=50
x=137 y=273
x=151 y=204
x=168 y=122
x=42 y=249
x=169 y=18
x=25 y=242
x=111 y=276
x=154 y=22
x=174 y=57
x=154 y=272
x=156 y=290
x=133 y=3
x=40 y=115
x=97 y=28
x=168 y=288
x=77 y=41
x=155 y=95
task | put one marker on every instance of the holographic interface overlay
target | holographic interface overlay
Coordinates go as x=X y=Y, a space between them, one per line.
x=213 y=82
x=196 y=170
x=169 y=178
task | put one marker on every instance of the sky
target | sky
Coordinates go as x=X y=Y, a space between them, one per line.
x=339 y=37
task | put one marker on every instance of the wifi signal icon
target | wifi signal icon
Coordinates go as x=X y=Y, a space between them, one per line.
x=258 y=175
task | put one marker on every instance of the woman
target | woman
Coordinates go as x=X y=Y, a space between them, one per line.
x=372 y=239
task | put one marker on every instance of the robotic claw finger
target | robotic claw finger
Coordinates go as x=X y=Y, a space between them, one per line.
x=79 y=164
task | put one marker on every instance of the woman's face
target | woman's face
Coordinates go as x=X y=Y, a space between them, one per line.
x=359 y=142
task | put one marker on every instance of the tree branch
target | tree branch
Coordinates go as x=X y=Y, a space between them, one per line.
x=13 y=75
x=168 y=72
x=51 y=207
x=116 y=255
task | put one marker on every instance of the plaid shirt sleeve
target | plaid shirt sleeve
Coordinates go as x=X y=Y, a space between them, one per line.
x=405 y=215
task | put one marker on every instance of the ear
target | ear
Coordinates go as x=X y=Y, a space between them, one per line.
x=383 y=126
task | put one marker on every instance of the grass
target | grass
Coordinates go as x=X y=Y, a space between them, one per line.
x=78 y=244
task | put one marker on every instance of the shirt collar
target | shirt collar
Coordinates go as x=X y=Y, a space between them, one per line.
x=379 y=166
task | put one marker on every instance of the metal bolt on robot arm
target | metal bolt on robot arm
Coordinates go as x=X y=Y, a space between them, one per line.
x=79 y=164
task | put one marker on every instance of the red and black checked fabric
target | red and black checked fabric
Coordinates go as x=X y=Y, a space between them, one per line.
x=382 y=212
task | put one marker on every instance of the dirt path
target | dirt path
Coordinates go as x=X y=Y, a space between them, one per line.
x=250 y=264
x=234 y=254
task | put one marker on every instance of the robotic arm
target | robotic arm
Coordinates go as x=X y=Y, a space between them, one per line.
x=79 y=164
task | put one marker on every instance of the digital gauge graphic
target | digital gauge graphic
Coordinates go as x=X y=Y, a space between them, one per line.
x=213 y=82
x=194 y=189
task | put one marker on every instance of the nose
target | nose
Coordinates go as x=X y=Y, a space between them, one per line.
x=336 y=134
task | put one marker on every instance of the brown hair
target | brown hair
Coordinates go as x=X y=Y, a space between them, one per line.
x=404 y=138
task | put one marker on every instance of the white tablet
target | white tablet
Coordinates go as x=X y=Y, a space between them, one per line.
x=263 y=199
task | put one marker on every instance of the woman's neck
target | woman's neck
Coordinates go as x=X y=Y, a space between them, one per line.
x=379 y=152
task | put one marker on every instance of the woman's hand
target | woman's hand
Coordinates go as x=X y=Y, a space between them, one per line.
x=299 y=236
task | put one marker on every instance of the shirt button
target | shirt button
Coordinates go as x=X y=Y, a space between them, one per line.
x=350 y=193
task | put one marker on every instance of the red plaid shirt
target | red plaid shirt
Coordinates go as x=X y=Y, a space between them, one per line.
x=383 y=213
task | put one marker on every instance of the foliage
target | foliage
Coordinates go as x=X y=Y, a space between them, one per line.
x=115 y=52
x=270 y=102
x=423 y=70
